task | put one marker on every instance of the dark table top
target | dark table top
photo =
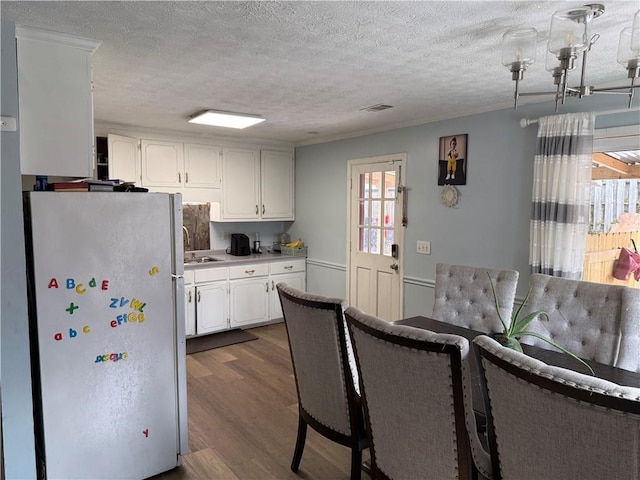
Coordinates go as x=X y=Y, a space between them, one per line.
x=551 y=357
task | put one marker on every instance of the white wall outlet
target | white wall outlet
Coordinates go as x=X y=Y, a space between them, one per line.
x=424 y=247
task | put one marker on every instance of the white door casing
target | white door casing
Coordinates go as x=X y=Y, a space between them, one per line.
x=374 y=224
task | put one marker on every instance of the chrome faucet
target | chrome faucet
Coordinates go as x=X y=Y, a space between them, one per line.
x=186 y=230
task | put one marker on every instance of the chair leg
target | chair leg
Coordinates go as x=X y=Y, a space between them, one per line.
x=356 y=463
x=302 y=435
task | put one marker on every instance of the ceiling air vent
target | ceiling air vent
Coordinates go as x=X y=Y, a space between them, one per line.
x=376 y=108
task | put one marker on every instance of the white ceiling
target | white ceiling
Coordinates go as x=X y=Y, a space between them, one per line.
x=310 y=67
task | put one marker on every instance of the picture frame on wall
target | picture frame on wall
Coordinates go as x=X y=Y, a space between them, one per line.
x=452 y=160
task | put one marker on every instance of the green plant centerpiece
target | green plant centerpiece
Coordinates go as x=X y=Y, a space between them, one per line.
x=517 y=328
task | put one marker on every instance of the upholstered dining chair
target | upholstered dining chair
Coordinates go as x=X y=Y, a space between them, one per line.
x=552 y=423
x=327 y=397
x=595 y=321
x=416 y=393
x=463 y=296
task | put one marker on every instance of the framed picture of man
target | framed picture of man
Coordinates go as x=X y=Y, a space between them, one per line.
x=452 y=160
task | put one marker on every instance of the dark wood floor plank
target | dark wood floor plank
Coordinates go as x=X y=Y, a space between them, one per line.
x=243 y=416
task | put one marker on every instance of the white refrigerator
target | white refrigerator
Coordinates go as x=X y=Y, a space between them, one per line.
x=106 y=309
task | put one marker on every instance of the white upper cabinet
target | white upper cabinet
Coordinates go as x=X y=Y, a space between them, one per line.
x=124 y=161
x=240 y=184
x=256 y=185
x=202 y=166
x=55 y=103
x=162 y=163
x=176 y=165
x=276 y=185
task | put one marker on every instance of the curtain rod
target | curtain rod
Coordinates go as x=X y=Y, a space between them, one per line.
x=525 y=122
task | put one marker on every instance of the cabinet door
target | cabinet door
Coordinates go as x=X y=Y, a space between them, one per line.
x=162 y=163
x=240 y=183
x=277 y=185
x=124 y=160
x=201 y=166
x=212 y=307
x=249 y=301
x=295 y=280
x=55 y=102
x=190 y=310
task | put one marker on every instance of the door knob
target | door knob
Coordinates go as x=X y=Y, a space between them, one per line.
x=394 y=266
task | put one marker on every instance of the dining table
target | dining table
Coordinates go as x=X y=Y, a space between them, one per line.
x=548 y=356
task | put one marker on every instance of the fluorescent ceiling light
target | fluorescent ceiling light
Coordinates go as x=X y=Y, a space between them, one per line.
x=226 y=119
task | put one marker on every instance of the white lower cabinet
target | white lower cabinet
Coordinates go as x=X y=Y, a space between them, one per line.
x=248 y=294
x=211 y=307
x=249 y=301
x=190 y=310
x=220 y=298
x=293 y=274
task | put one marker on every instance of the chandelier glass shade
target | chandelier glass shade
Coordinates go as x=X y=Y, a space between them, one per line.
x=570 y=39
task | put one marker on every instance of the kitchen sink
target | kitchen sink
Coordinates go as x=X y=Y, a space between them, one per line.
x=192 y=261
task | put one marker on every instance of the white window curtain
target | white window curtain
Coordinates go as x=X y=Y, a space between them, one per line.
x=561 y=194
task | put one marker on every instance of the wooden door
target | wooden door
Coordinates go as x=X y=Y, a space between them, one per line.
x=375 y=226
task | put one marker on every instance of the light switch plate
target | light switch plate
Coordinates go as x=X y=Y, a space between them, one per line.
x=423 y=247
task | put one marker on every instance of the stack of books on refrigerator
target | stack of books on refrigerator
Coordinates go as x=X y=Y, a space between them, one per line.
x=84 y=185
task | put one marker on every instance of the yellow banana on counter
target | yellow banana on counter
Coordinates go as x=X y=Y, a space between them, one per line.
x=296 y=244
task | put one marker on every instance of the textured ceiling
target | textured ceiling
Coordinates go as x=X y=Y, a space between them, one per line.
x=310 y=67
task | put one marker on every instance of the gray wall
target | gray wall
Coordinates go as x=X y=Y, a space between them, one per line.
x=488 y=227
x=15 y=373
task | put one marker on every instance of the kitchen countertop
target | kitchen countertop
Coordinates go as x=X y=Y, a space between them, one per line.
x=224 y=259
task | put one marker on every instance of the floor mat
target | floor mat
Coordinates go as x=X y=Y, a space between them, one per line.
x=216 y=340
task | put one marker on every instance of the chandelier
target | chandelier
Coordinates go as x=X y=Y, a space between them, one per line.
x=570 y=37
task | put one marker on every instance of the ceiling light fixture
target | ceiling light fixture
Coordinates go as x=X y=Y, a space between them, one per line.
x=218 y=118
x=569 y=37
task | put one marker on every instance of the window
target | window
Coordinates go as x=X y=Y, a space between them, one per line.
x=614 y=214
x=376 y=212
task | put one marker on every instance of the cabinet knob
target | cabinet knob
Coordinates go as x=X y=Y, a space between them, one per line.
x=189 y=296
x=186 y=177
x=288 y=267
x=179 y=178
x=267 y=286
x=198 y=296
x=249 y=272
x=263 y=208
x=273 y=285
x=257 y=210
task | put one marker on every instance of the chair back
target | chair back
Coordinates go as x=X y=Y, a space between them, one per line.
x=593 y=320
x=463 y=296
x=414 y=387
x=316 y=333
x=549 y=422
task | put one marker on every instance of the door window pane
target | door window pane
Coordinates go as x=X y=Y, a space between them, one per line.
x=388 y=241
x=374 y=240
x=376 y=184
x=362 y=212
x=390 y=184
x=376 y=213
x=389 y=213
x=363 y=245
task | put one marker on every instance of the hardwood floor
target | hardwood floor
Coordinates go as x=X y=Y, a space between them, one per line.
x=243 y=416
